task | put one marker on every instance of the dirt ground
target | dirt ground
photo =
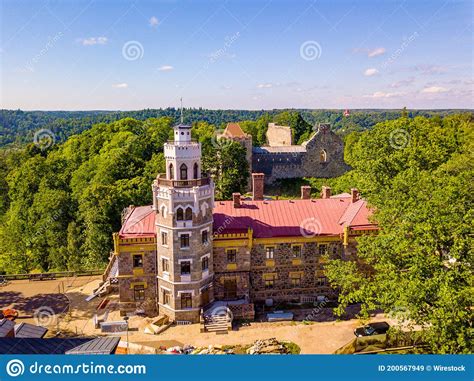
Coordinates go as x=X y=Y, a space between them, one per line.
x=317 y=337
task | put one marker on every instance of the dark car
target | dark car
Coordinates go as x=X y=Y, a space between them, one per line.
x=372 y=329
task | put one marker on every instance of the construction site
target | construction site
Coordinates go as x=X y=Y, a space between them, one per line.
x=80 y=307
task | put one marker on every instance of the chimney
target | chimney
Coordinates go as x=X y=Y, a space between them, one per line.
x=236 y=200
x=325 y=192
x=257 y=185
x=354 y=195
x=305 y=192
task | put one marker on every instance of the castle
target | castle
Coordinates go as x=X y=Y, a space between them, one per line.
x=320 y=156
x=187 y=252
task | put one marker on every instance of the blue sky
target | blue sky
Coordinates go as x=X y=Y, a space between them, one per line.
x=97 y=54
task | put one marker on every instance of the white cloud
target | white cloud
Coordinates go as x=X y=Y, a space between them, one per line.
x=381 y=94
x=120 y=85
x=402 y=83
x=375 y=52
x=264 y=86
x=166 y=68
x=93 y=41
x=153 y=21
x=370 y=72
x=434 y=90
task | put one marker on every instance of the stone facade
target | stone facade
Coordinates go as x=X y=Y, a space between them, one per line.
x=320 y=156
x=279 y=135
x=172 y=260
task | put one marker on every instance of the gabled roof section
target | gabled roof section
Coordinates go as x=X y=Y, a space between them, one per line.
x=233 y=130
x=139 y=223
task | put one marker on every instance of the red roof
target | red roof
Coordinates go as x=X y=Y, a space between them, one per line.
x=272 y=218
x=278 y=218
x=233 y=130
x=139 y=223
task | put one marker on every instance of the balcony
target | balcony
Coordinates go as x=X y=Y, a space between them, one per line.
x=163 y=181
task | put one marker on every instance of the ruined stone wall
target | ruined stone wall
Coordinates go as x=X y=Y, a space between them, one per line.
x=321 y=156
x=279 y=135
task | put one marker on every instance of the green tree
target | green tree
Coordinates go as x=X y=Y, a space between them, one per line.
x=419 y=185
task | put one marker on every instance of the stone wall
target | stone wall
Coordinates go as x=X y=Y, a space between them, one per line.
x=279 y=135
x=321 y=156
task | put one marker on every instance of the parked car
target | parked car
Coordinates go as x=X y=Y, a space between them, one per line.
x=372 y=329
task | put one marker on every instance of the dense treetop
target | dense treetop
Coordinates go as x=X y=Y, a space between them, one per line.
x=17 y=126
x=59 y=206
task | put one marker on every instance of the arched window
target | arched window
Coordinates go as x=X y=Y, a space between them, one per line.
x=196 y=167
x=323 y=156
x=189 y=214
x=180 y=214
x=171 y=172
x=183 y=172
x=163 y=211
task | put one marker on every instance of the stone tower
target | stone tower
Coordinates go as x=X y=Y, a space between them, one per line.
x=183 y=199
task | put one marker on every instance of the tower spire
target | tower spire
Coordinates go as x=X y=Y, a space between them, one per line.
x=182 y=119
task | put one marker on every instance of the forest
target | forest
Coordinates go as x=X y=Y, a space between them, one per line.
x=18 y=127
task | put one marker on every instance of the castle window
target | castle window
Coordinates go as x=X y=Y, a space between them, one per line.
x=323 y=156
x=184 y=241
x=205 y=236
x=232 y=256
x=269 y=252
x=269 y=280
x=186 y=300
x=179 y=214
x=185 y=268
x=296 y=251
x=183 y=170
x=164 y=238
x=165 y=265
x=166 y=296
x=196 y=167
x=295 y=279
x=189 y=214
x=137 y=260
x=139 y=293
x=205 y=263
x=171 y=174
x=323 y=249
x=321 y=281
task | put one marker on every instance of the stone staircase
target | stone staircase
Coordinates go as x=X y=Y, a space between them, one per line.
x=217 y=319
x=218 y=324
